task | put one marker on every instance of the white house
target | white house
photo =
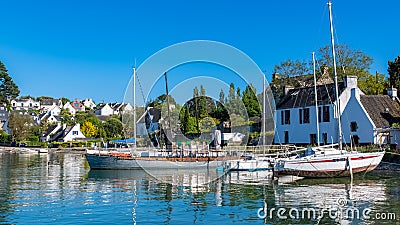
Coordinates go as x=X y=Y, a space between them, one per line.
x=54 y=110
x=48 y=134
x=69 y=107
x=104 y=110
x=360 y=115
x=72 y=133
x=45 y=104
x=24 y=104
x=88 y=102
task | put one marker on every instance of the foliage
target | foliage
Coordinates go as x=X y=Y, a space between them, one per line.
x=373 y=85
x=113 y=128
x=291 y=68
x=8 y=89
x=394 y=72
x=349 y=62
x=88 y=129
x=65 y=100
x=20 y=126
x=250 y=101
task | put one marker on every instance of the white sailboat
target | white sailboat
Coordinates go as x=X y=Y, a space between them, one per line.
x=330 y=160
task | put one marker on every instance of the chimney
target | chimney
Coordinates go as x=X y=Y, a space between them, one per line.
x=275 y=76
x=350 y=82
x=286 y=89
x=392 y=92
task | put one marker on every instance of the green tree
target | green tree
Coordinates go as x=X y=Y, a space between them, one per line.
x=291 y=68
x=349 y=61
x=202 y=103
x=113 y=127
x=373 y=85
x=20 y=126
x=8 y=89
x=65 y=100
x=250 y=101
x=394 y=72
x=222 y=97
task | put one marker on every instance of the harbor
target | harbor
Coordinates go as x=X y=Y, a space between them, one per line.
x=59 y=188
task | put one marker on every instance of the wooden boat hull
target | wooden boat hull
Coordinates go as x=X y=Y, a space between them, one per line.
x=117 y=162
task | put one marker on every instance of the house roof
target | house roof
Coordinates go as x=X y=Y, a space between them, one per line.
x=49 y=130
x=49 y=101
x=302 y=97
x=382 y=109
x=155 y=112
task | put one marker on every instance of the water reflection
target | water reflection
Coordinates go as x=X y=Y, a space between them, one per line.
x=60 y=188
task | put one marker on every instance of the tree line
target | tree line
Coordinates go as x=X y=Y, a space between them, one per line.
x=349 y=62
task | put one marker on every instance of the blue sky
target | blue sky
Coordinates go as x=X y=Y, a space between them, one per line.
x=80 y=49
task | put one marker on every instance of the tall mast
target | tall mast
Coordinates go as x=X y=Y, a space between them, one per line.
x=134 y=105
x=316 y=98
x=168 y=111
x=263 y=114
x=336 y=78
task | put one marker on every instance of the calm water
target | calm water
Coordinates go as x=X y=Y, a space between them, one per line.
x=61 y=189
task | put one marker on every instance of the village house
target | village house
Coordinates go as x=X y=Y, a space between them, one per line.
x=4 y=117
x=67 y=106
x=120 y=108
x=63 y=133
x=88 y=102
x=46 y=104
x=361 y=115
x=78 y=106
x=24 y=104
x=104 y=109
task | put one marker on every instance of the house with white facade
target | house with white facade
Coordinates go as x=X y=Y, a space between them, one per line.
x=68 y=106
x=63 y=133
x=361 y=115
x=24 y=104
x=104 y=110
x=89 y=103
x=48 y=134
x=47 y=103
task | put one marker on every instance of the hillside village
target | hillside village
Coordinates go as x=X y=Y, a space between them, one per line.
x=60 y=120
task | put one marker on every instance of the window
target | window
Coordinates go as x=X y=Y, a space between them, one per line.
x=323 y=114
x=304 y=115
x=325 y=138
x=74 y=132
x=353 y=126
x=300 y=116
x=286 y=134
x=313 y=138
x=285 y=117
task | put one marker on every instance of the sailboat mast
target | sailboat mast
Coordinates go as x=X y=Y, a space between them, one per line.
x=168 y=108
x=263 y=114
x=134 y=105
x=336 y=78
x=316 y=98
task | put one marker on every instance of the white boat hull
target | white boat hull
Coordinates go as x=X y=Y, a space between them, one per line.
x=331 y=165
